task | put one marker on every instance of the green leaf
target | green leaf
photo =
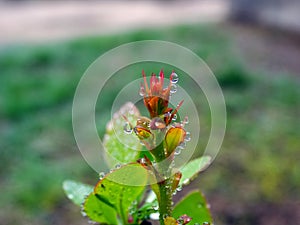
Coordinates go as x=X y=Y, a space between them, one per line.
x=194 y=205
x=117 y=190
x=193 y=168
x=76 y=191
x=122 y=148
x=99 y=211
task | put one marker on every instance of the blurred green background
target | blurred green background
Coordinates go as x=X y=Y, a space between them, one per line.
x=256 y=176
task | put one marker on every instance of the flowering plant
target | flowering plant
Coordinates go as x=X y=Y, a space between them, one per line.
x=141 y=190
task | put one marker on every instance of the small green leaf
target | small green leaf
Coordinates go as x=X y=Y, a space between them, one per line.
x=193 y=168
x=113 y=191
x=194 y=205
x=99 y=211
x=76 y=191
x=122 y=147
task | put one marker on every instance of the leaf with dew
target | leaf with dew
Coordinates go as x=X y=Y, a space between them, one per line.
x=76 y=191
x=121 y=145
x=116 y=191
x=193 y=205
x=193 y=168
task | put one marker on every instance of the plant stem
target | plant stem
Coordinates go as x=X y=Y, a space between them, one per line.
x=164 y=194
x=165 y=200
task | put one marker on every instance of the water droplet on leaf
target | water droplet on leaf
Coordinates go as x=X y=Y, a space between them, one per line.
x=154 y=216
x=186 y=181
x=101 y=175
x=155 y=206
x=70 y=196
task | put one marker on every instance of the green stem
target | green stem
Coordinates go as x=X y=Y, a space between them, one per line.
x=165 y=208
x=163 y=192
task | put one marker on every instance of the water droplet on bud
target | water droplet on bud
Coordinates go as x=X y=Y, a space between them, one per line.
x=182 y=145
x=185 y=121
x=173 y=88
x=118 y=166
x=187 y=136
x=127 y=128
x=142 y=91
x=174 y=117
x=174 y=78
x=177 y=151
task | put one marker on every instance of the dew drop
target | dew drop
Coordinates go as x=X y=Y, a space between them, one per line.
x=143 y=160
x=173 y=89
x=182 y=145
x=155 y=207
x=179 y=188
x=175 y=78
x=118 y=166
x=127 y=128
x=185 y=121
x=142 y=91
x=174 y=117
x=92 y=222
x=154 y=216
x=187 y=136
x=205 y=223
x=70 y=196
x=83 y=213
x=186 y=181
x=131 y=111
x=168 y=114
x=177 y=151
x=101 y=175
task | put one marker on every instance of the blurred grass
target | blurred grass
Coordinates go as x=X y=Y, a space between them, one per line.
x=38 y=151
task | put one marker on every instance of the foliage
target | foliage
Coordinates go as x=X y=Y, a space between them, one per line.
x=37 y=84
x=116 y=198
